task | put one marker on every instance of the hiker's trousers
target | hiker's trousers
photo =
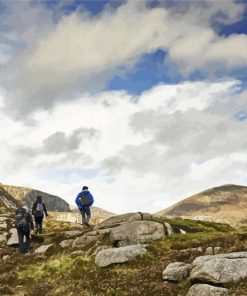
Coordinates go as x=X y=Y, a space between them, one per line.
x=38 y=224
x=24 y=246
x=85 y=214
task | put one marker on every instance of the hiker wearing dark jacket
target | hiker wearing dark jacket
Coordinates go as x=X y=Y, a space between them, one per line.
x=23 y=224
x=84 y=200
x=38 y=211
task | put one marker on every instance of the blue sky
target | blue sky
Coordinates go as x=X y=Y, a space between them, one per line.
x=127 y=97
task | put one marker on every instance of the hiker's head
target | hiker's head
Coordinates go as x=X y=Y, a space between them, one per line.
x=39 y=198
x=25 y=207
x=84 y=188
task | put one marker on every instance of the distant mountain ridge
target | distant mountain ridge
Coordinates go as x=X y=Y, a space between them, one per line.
x=7 y=202
x=14 y=196
x=29 y=195
x=226 y=204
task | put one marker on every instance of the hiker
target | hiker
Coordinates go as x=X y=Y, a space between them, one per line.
x=38 y=211
x=84 y=200
x=23 y=224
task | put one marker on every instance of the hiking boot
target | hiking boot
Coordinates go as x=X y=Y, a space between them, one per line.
x=87 y=224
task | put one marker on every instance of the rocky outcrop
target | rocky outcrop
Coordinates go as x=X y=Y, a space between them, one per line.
x=28 y=196
x=118 y=220
x=137 y=232
x=206 y=290
x=119 y=255
x=85 y=240
x=176 y=272
x=220 y=269
x=7 y=202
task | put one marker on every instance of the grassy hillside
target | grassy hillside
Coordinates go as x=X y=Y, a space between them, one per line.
x=227 y=204
x=61 y=273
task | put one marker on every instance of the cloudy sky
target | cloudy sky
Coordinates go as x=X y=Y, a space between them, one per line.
x=143 y=101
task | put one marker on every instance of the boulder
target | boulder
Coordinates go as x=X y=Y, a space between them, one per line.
x=206 y=290
x=66 y=243
x=169 y=228
x=72 y=233
x=176 y=272
x=220 y=269
x=118 y=220
x=100 y=248
x=137 y=232
x=13 y=240
x=119 y=255
x=43 y=249
x=85 y=240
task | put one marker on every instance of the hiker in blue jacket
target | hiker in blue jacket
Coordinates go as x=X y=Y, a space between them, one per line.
x=84 y=200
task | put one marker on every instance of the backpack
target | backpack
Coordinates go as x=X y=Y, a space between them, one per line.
x=85 y=200
x=39 y=212
x=21 y=218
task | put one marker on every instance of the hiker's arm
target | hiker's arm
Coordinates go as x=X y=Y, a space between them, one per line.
x=91 y=197
x=77 y=201
x=33 y=208
x=46 y=214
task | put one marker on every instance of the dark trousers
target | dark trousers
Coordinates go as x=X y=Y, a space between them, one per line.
x=38 y=224
x=85 y=214
x=23 y=246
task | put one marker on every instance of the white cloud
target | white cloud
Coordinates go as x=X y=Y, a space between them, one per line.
x=147 y=153
x=81 y=53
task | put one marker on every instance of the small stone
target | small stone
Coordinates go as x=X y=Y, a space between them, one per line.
x=209 y=251
x=72 y=233
x=77 y=253
x=176 y=271
x=3 y=237
x=218 y=250
x=199 y=249
x=43 y=249
x=66 y=243
x=182 y=231
x=5 y=257
x=3 y=225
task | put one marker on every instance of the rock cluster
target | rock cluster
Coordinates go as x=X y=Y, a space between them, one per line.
x=211 y=271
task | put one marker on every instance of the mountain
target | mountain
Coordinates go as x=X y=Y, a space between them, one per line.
x=7 y=202
x=226 y=204
x=60 y=210
x=28 y=196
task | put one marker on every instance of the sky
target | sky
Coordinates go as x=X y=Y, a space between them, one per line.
x=145 y=102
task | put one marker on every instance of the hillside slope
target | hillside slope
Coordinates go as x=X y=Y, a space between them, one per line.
x=7 y=202
x=28 y=196
x=226 y=204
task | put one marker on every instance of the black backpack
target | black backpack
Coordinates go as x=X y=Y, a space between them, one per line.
x=21 y=218
x=85 y=200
